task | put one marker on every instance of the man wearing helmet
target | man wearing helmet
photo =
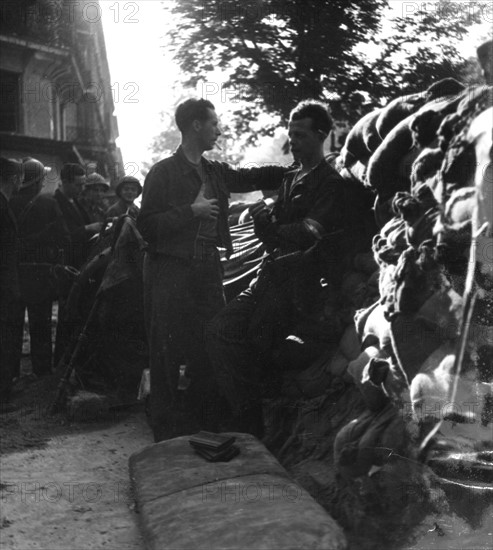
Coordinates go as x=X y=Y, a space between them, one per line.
x=42 y=235
x=127 y=190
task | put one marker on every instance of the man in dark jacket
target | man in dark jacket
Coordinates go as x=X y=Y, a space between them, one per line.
x=43 y=236
x=93 y=199
x=76 y=218
x=184 y=218
x=80 y=230
x=305 y=234
x=10 y=178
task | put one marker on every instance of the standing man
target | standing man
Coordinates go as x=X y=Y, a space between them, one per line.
x=184 y=217
x=43 y=236
x=11 y=174
x=76 y=218
x=92 y=199
x=80 y=230
x=312 y=208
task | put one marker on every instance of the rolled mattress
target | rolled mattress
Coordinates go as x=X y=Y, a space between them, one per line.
x=185 y=502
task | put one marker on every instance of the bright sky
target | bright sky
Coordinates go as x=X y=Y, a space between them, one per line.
x=142 y=76
x=143 y=73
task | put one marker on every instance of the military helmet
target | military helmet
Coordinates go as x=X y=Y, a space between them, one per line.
x=128 y=179
x=34 y=171
x=96 y=179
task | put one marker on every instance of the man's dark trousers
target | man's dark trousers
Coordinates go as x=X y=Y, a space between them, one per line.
x=37 y=298
x=180 y=297
x=240 y=341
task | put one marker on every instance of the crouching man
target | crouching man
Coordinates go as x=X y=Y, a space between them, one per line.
x=304 y=234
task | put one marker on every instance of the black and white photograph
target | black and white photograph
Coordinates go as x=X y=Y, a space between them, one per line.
x=246 y=275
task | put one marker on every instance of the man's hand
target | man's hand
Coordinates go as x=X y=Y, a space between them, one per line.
x=258 y=209
x=261 y=214
x=206 y=209
x=264 y=227
x=94 y=227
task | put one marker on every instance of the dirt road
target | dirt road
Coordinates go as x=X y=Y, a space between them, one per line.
x=65 y=485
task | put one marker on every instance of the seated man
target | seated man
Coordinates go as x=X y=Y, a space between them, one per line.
x=312 y=208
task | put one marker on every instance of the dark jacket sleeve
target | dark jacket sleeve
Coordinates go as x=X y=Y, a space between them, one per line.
x=45 y=229
x=325 y=215
x=9 y=255
x=159 y=218
x=243 y=180
x=75 y=225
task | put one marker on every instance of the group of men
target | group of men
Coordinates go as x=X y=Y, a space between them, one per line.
x=183 y=218
x=45 y=240
x=216 y=353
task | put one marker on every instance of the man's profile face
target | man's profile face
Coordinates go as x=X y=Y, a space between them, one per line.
x=72 y=189
x=303 y=140
x=209 y=130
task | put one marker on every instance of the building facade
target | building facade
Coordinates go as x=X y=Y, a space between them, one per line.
x=56 y=97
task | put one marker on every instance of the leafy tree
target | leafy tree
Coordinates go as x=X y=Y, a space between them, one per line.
x=422 y=48
x=278 y=52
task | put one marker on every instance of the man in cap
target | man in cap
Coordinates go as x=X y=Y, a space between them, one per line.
x=81 y=229
x=127 y=190
x=92 y=198
x=43 y=236
x=76 y=218
x=11 y=174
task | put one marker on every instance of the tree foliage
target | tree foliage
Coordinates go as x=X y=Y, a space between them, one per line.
x=423 y=47
x=278 y=52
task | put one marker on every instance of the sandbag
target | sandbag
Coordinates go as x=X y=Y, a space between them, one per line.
x=396 y=111
x=350 y=344
x=428 y=119
x=368 y=441
x=313 y=381
x=401 y=107
x=362 y=140
x=425 y=169
x=250 y=502
x=384 y=174
x=376 y=330
x=375 y=398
